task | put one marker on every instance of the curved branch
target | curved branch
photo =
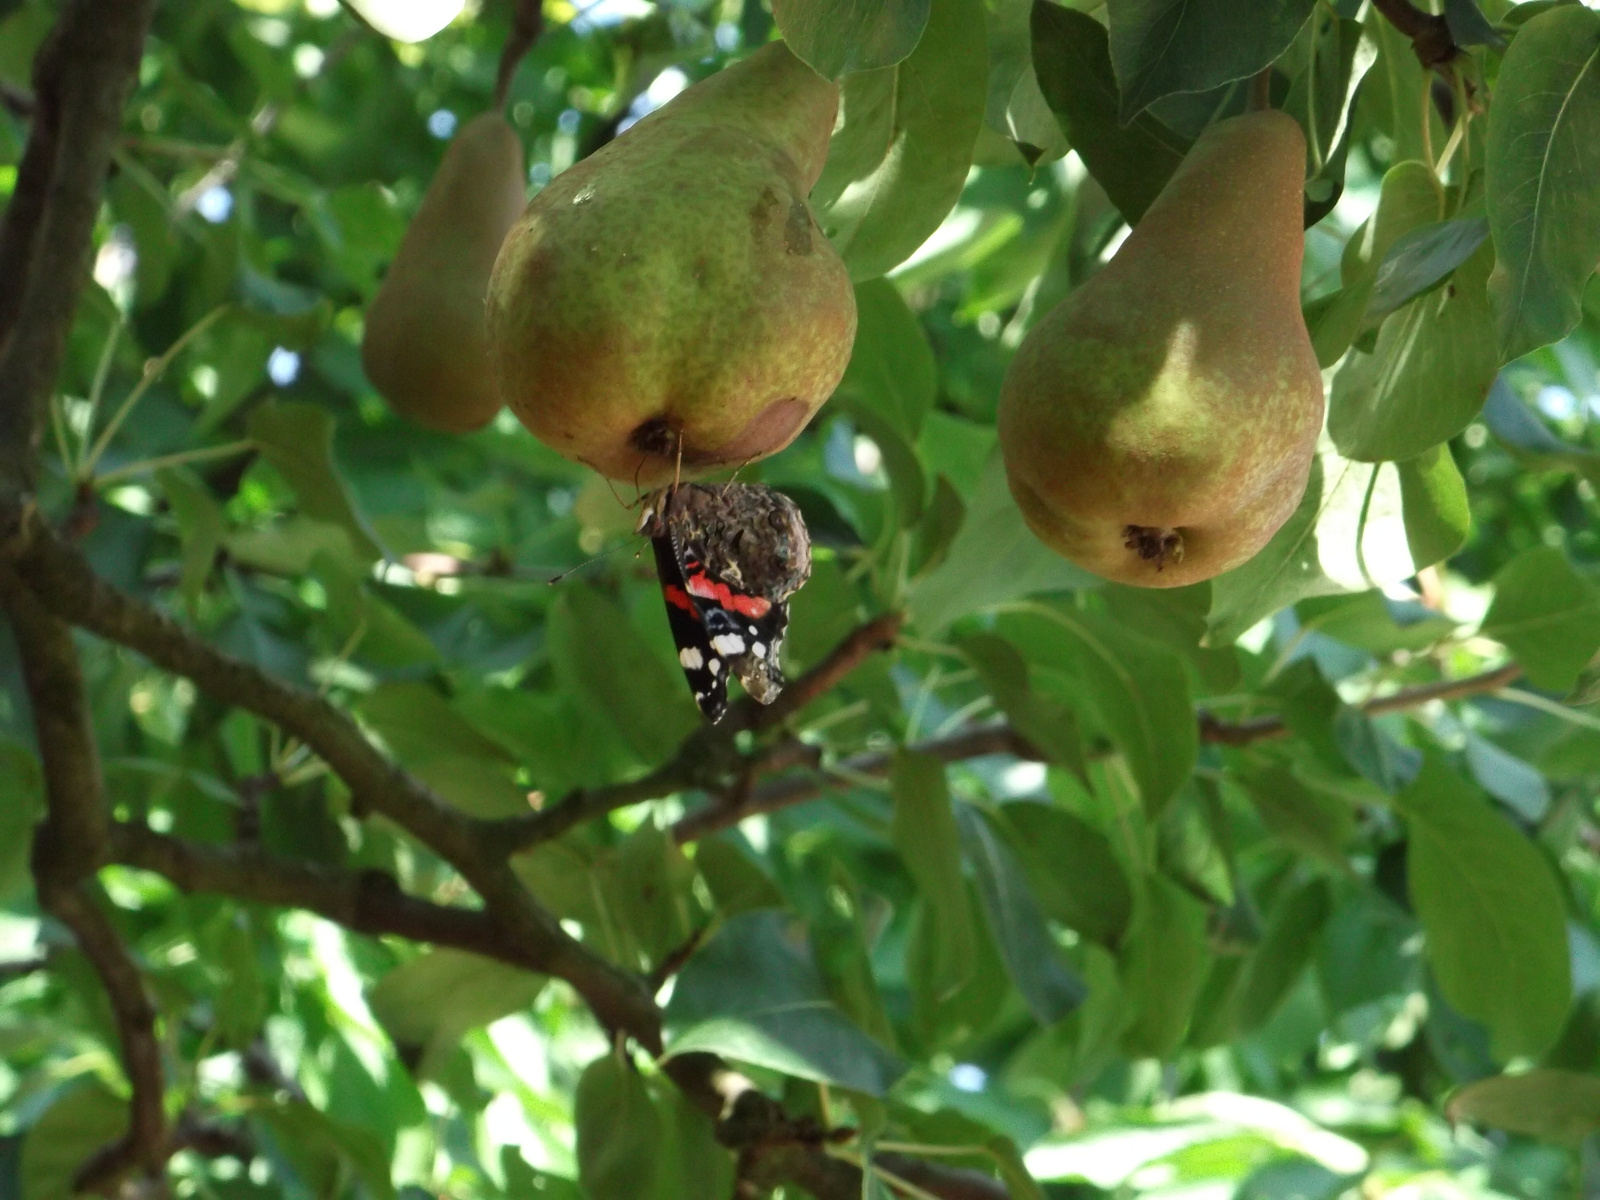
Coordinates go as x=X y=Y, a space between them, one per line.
x=67 y=848
x=57 y=570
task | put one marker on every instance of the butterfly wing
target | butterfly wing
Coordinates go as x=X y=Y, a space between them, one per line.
x=704 y=668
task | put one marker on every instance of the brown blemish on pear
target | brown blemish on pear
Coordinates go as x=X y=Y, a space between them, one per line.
x=425 y=347
x=1158 y=426
x=672 y=292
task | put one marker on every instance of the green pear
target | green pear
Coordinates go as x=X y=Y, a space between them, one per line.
x=425 y=347
x=1158 y=426
x=670 y=300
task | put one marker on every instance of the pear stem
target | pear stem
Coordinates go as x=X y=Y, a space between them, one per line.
x=1260 y=98
x=526 y=25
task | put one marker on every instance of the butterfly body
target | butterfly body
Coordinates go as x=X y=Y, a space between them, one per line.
x=729 y=556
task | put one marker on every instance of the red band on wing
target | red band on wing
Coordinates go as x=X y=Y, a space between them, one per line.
x=678 y=597
x=706 y=588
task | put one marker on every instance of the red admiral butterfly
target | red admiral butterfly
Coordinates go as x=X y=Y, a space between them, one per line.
x=729 y=556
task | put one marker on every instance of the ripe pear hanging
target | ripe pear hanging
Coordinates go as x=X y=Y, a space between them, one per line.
x=672 y=293
x=424 y=347
x=1158 y=426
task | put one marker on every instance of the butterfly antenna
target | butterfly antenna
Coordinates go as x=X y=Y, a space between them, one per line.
x=734 y=478
x=588 y=562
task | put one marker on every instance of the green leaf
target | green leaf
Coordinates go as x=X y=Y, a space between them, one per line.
x=1409 y=196
x=1421 y=259
x=891 y=369
x=526 y=1183
x=1135 y=691
x=752 y=994
x=839 y=945
x=925 y=835
x=428 y=1004
x=1048 y=986
x=1163 y=966
x=1047 y=723
x=897 y=163
x=1547 y=615
x=1433 y=503
x=1492 y=911
x=325 y=1151
x=1311 y=819
x=691 y=1165
x=737 y=884
x=1016 y=108
x=834 y=37
x=619 y=1131
x=364 y=626
x=1069 y=867
x=1508 y=779
x=1072 y=59
x=1529 y=439
x=460 y=763
x=297 y=439
x=1375 y=623
x=1348 y=535
x=21 y=805
x=84 y=1118
x=1285 y=949
x=601 y=659
x=993 y=558
x=200 y=529
x=1544 y=178
x=1338 y=55
x=651 y=888
x=1552 y=1105
x=1161 y=47
x=1427 y=377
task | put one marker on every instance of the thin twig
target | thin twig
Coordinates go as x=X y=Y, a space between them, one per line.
x=1260 y=729
x=706 y=757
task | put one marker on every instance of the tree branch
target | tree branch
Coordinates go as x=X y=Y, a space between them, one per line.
x=1270 y=728
x=369 y=902
x=57 y=570
x=83 y=76
x=707 y=757
x=1431 y=40
x=796 y=789
x=774 y=1147
x=67 y=848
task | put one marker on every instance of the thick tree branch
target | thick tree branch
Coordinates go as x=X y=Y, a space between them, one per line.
x=56 y=569
x=82 y=78
x=67 y=848
x=369 y=902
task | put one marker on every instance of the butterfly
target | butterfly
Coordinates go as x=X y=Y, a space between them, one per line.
x=729 y=556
